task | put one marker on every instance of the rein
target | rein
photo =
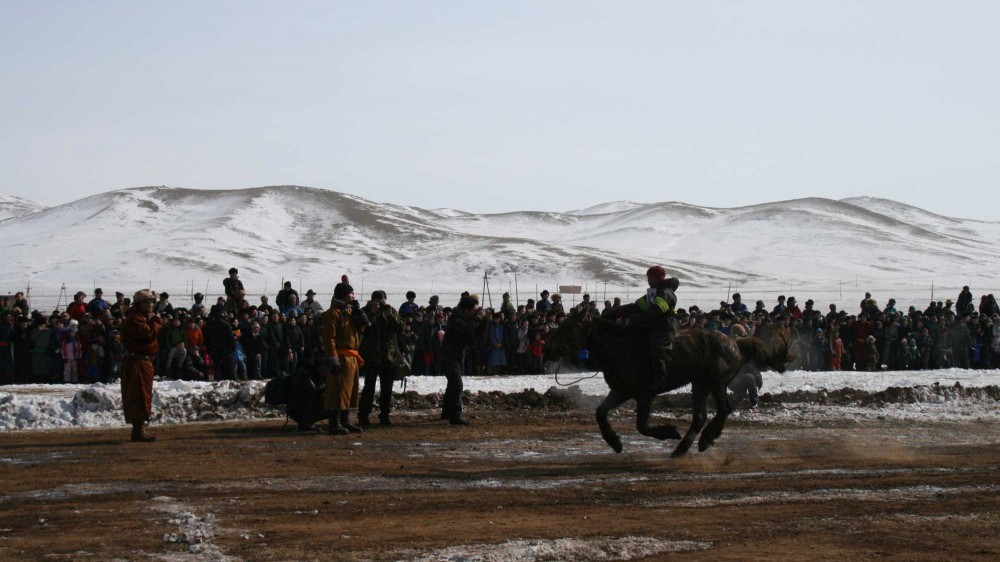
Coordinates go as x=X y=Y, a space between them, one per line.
x=571 y=383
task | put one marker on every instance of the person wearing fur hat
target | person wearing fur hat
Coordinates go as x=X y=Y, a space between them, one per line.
x=343 y=324
x=654 y=313
x=140 y=335
x=463 y=330
x=379 y=348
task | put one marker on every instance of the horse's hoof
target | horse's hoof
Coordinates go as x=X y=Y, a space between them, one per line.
x=682 y=448
x=672 y=433
x=704 y=445
x=614 y=442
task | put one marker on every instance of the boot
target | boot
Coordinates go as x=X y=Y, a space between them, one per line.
x=345 y=421
x=335 y=427
x=659 y=383
x=384 y=421
x=140 y=436
x=364 y=421
x=458 y=420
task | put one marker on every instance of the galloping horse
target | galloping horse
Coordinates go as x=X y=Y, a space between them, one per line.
x=706 y=359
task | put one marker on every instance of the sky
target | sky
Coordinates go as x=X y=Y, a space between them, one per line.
x=507 y=106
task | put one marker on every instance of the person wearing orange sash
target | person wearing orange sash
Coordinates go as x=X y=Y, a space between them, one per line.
x=343 y=325
x=140 y=334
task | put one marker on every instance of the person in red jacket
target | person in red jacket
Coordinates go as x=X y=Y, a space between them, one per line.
x=78 y=308
x=140 y=334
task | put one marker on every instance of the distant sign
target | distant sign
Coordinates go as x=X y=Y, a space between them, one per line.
x=570 y=289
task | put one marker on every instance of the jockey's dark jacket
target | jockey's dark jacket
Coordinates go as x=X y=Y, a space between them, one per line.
x=653 y=312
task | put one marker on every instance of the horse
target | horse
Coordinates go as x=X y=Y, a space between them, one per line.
x=706 y=359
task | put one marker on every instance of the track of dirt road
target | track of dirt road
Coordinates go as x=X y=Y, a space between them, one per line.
x=539 y=485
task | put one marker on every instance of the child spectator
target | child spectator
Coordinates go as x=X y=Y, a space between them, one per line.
x=537 y=349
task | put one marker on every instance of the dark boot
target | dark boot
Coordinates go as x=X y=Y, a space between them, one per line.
x=139 y=435
x=458 y=420
x=364 y=421
x=659 y=382
x=384 y=420
x=335 y=427
x=345 y=421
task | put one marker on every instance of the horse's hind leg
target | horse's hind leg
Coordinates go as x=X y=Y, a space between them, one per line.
x=661 y=432
x=699 y=402
x=714 y=428
x=611 y=402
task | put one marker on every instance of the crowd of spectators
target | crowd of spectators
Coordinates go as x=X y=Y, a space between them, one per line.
x=233 y=339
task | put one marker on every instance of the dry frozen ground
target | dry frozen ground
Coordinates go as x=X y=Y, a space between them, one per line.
x=526 y=486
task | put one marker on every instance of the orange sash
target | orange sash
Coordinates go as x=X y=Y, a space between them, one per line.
x=352 y=353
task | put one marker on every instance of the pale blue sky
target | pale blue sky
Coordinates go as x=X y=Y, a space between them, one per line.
x=502 y=106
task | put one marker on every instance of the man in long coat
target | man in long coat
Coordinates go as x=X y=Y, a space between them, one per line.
x=343 y=324
x=140 y=333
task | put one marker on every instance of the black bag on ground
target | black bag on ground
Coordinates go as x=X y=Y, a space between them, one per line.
x=305 y=398
x=276 y=390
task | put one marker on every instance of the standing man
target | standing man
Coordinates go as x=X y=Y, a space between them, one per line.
x=311 y=305
x=284 y=298
x=379 y=350
x=343 y=324
x=462 y=333
x=140 y=333
x=234 y=291
x=98 y=305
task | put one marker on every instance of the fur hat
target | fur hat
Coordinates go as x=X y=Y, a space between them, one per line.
x=468 y=302
x=342 y=289
x=145 y=294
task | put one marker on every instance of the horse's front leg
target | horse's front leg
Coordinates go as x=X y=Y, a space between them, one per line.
x=611 y=402
x=643 y=408
x=699 y=403
x=714 y=428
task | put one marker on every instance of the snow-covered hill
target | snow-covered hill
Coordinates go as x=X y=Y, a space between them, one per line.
x=12 y=206
x=185 y=240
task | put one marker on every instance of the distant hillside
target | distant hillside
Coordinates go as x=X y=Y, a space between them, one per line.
x=12 y=206
x=182 y=238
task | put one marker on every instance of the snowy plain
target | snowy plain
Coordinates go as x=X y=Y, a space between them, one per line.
x=31 y=407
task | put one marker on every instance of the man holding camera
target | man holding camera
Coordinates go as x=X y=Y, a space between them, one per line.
x=379 y=350
x=343 y=324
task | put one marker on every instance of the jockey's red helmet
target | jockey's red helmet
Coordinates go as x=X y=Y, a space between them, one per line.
x=656 y=275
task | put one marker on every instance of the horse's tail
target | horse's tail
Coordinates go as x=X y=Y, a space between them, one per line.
x=777 y=356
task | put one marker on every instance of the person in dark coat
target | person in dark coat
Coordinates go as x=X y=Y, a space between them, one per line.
x=234 y=290
x=962 y=307
x=23 y=350
x=461 y=334
x=220 y=340
x=284 y=296
x=654 y=313
x=253 y=347
x=378 y=350
x=6 y=349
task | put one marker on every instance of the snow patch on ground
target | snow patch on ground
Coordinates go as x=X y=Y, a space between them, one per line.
x=195 y=531
x=566 y=549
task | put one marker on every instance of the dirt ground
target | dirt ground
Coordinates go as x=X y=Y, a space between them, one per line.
x=513 y=486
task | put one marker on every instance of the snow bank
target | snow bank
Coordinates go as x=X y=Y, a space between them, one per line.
x=797 y=395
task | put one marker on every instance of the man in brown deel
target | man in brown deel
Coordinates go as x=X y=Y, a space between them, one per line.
x=343 y=324
x=139 y=335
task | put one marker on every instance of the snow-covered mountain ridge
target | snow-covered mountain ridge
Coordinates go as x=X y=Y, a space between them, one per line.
x=12 y=206
x=186 y=239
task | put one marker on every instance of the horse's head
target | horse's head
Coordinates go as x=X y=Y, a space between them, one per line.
x=569 y=338
x=781 y=353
